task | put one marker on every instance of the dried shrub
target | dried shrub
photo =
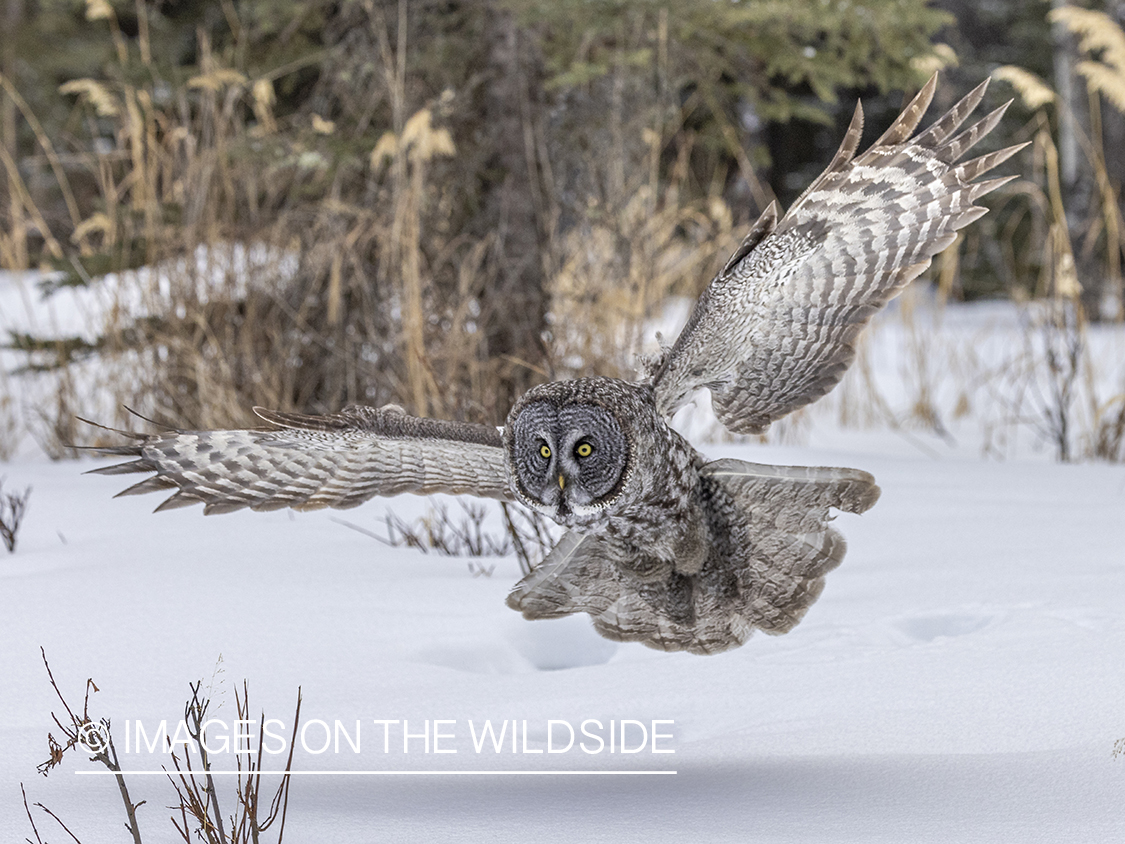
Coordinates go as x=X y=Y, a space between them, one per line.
x=526 y=533
x=13 y=506
x=198 y=815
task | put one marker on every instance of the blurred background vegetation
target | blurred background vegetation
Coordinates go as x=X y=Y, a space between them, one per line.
x=441 y=203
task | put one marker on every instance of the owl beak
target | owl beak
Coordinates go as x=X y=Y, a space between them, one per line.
x=562 y=482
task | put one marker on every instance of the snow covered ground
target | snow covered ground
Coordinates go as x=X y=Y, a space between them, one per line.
x=961 y=679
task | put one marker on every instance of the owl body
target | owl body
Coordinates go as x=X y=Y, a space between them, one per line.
x=685 y=553
x=662 y=546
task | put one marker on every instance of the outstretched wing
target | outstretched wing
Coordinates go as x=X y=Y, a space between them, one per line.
x=772 y=545
x=776 y=329
x=309 y=462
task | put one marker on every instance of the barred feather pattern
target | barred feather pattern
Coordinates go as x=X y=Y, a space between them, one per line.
x=770 y=547
x=776 y=329
x=310 y=462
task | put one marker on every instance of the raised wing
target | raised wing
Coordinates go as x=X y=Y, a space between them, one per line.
x=777 y=328
x=309 y=462
x=772 y=545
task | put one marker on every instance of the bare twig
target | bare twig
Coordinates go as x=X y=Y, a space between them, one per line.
x=198 y=804
x=13 y=505
x=526 y=533
x=93 y=737
x=57 y=820
x=195 y=710
x=31 y=820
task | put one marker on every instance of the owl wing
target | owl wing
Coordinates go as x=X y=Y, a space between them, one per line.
x=777 y=328
x=309 y=462
x=772 y=545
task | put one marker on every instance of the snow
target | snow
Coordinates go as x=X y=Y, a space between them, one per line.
x=962 y=678
x=221 y=270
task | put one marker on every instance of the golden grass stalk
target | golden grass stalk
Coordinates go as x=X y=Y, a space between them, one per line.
x=1034 y=92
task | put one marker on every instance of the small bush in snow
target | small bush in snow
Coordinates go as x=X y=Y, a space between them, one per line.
x=13 y=505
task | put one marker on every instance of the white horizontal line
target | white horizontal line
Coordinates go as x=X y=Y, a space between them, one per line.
x=373 y=773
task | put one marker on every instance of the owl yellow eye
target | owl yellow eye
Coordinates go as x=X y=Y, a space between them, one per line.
x=545 y=451
x=584 y=450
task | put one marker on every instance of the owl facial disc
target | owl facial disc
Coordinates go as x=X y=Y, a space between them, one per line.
x=569 y=459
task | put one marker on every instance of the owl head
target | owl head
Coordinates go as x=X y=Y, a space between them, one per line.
x=569 y=449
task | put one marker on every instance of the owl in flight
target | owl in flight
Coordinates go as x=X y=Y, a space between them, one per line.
x=661 y=546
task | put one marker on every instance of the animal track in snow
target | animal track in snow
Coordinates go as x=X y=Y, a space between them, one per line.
x=927 y=628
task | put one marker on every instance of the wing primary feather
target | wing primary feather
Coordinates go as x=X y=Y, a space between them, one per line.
x=843 y=155
x=940 y=131
x=133 y=466
x=215 y=508
x=154 y=422
x=967 y=139
x=982 y=188
x=129 y=434
x=764 y=225
x=908 y=121
x=175 y=502
x=852 y=136
x=153 y=484
x=978 y=166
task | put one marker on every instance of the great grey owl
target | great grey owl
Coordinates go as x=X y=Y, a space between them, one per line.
x=662 y=546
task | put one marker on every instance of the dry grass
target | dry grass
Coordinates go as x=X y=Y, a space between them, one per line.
x=1104 y=40
x=1007 y=379
x=358 y=289
x=344 y=303
x=292 y=263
